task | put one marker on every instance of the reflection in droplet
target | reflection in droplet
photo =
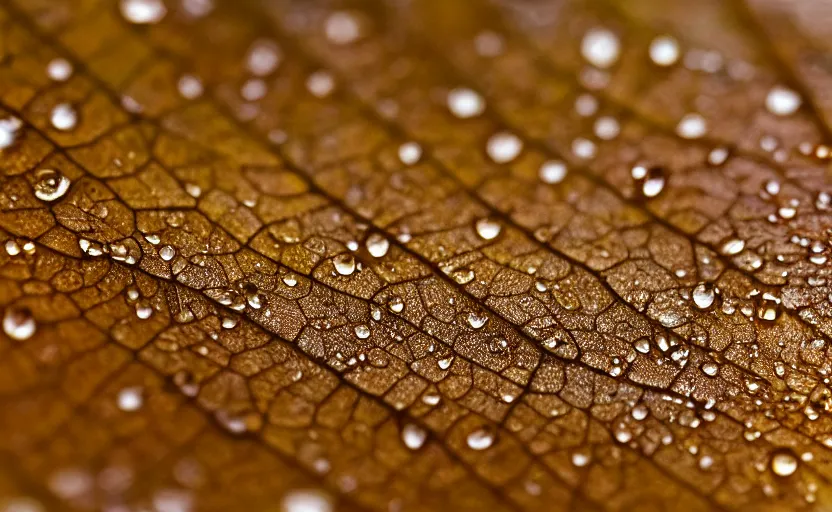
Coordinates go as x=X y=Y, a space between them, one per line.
x=503 y=147
x=18 y=323
x=465 y=103
x=414 y=436
x=63 y=117
x=600 y=47
x=480 y=439
x=488 y=229
x=50 y=185
x=344 y=264
x=143 y=12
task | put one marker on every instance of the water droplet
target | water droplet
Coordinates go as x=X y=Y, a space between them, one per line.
x=263 y=57
x=143 y=12
x=664 y=51
x=640 y=412
x=651 y=180
x=18 y=323
x=414 y=436
x=342 y=28
x=783 y=463
x=606 y=128
x=480 y=439
x=130 y=399
x=642 y=345
x=600 y=47
x=703 y=295
x=410 y=153
x=476 y=321
x=143 y=311
x=12 y=248
x=580 y=459
x=167 y=253
x=782 y=101
x=503 y=147
x=344 y=264
x=733 y=247
x=692 y=126
x=306 y=500
x=396 y=304
x=189 y=87
x=488 y=229
x=718 y=156
x=488 y=44
x=64 y=117
x=50 y=185
x=445 y=363
x=59 y=70
x=586 y=105
x=710 y=369
x=553 y=171
x=362 y=332
x=377 y=245
x=584 y=148
x=320 y=84
x=465 y=103
x=8 y=131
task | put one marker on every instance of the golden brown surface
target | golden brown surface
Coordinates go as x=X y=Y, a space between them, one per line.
x=283 y=267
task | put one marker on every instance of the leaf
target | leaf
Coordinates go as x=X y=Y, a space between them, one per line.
x=426 y=255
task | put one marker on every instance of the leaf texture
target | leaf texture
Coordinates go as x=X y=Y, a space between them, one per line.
x=415 y=255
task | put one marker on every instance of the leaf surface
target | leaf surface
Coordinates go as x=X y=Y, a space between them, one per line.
x=426 y=255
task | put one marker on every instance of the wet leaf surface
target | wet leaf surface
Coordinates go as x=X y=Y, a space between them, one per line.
x=425 y=255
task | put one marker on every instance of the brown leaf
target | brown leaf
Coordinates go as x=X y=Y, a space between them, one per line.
x=425 y=255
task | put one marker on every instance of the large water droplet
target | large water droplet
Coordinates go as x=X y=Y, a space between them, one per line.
x=414 y=436
x=600 y=47
x=703 y=295
x=18 y=323
x=488 y=229
x=480 y=439
x=344 y=264
x=50 y=185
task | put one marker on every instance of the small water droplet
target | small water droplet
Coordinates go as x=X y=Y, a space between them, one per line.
x=580 y=459
x=664 y=51
x=642 y=345
x=692 y=126
x=710 y=369
x=320 y=84
x=600 y=47
x=167 y=253
x=362 y=332
x=342 y=28
x=130 y=399
x=782 y=101
x=651 y=180
x=640 y=412
x=410 y=153
x=445 y=363
x=488 y=229
x=606 y=128
x=64 y=117
x=733 y=247
x=480 y=439
x=189 y=87
x=414 y=436
x=50 y=185
x=306 y=500
x=59 y=69
x=344 y=264
x=465 y=103
x=584 y=148
x=263 y=57
x=503 y=147
x=143 y=12
x=18 y=323
x=476 y=321
x=8 y=131
x=553 y=171
x=143 y=311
